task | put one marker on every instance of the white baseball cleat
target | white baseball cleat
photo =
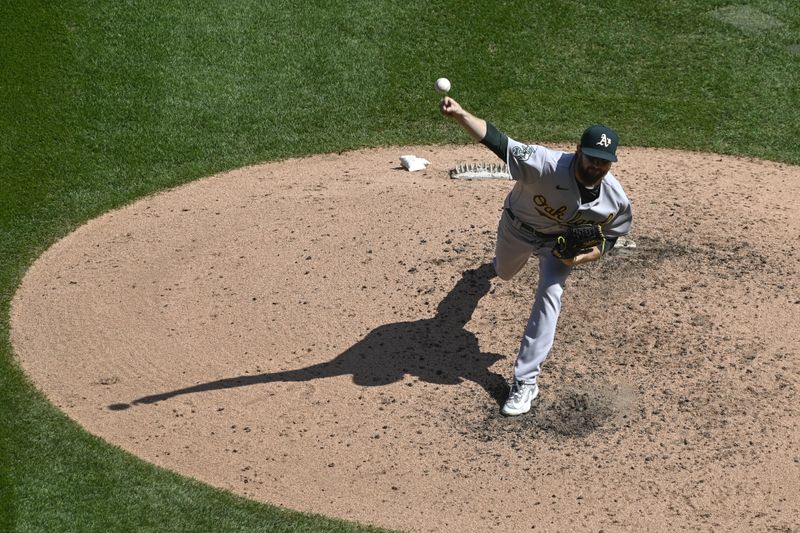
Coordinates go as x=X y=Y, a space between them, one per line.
x=520 y=398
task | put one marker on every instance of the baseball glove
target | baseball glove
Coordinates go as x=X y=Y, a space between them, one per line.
x=579 y=239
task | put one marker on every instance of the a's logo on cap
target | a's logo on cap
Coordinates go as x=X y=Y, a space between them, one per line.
x=600 y=141
x=604 y=141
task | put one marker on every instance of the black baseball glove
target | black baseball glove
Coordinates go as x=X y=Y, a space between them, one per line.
x=579 y=239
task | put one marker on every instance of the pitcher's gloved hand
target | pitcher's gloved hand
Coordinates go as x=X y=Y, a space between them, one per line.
x=579 y=239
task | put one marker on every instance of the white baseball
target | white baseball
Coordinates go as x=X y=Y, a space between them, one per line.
x=443 y=85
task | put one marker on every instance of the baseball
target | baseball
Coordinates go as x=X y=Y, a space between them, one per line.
x=443 y=85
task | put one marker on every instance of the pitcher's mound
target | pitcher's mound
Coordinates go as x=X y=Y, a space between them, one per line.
x=325 y=334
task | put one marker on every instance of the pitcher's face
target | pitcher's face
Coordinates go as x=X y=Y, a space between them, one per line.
x=590 y=170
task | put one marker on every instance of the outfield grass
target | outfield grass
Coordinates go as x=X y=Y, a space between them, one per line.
x=103 y=102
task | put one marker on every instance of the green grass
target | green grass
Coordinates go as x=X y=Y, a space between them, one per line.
x=102 y=102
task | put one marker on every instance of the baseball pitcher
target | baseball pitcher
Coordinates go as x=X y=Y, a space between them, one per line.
x=567 y=208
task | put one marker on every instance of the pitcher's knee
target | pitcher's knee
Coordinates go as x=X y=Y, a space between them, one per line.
x=505 y=272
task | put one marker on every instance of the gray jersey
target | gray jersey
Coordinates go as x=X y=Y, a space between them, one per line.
x=546 y=194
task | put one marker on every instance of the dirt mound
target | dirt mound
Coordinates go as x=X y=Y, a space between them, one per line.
x=326 y=334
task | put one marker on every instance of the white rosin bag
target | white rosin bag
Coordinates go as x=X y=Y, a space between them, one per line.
x=413 y=163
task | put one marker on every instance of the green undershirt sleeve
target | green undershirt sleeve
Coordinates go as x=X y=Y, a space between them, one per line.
x=496 y=141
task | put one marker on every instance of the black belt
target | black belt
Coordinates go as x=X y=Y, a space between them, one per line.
x=527 y=227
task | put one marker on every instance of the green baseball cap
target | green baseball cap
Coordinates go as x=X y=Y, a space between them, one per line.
x=600 y=141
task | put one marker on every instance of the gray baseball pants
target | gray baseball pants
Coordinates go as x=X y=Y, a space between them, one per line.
x=513 y=249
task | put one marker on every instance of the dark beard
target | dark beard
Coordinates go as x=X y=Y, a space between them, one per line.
x=588 y=179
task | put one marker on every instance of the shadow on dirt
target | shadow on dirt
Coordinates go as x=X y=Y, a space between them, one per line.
x=437 y=350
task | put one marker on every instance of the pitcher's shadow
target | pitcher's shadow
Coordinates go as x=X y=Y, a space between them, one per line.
x=436 y=350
